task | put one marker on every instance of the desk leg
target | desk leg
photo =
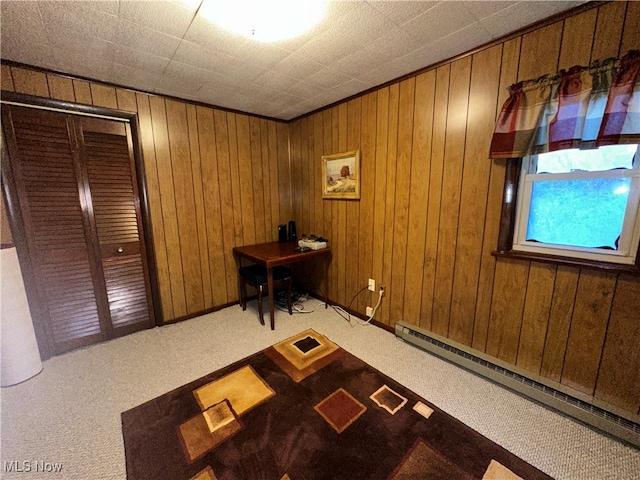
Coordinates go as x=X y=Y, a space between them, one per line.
x=326 y=281
x=238 y=265
x=271 y=301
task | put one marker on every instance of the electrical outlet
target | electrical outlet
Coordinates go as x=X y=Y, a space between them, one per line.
x=372 y=285
x=369 y=312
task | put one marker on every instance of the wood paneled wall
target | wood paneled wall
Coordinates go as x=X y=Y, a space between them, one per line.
x=215 y=180
x=428 y=217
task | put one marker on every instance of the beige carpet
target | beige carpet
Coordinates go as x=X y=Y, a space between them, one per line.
x=70 y=413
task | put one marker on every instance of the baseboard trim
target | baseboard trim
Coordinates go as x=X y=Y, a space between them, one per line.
x=201 y=312
x=595 y=413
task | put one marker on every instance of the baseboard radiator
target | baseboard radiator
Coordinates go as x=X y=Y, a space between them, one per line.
x=594 y=413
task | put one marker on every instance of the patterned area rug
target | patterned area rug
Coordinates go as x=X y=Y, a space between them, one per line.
x=305 y=409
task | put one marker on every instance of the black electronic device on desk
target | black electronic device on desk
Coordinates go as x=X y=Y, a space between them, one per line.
x=282 y=233
x=292 y=231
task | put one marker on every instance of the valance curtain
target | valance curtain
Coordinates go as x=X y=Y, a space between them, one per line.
x=583 y=107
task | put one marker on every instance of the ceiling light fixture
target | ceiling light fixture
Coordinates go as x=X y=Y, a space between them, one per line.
x=266 y=20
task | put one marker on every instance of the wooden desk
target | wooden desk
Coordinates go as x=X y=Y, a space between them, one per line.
x=280 y=253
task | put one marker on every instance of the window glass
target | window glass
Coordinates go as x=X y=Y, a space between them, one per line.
x=583 y=213
x=597 y=160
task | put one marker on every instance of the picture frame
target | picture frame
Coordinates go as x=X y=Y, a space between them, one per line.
x=341 y=176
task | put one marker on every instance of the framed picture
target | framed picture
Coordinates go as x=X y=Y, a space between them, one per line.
x=341 y=175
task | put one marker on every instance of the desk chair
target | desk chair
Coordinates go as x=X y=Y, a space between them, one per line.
x=256 y=276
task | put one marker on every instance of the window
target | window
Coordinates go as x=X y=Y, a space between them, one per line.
x=580 y=204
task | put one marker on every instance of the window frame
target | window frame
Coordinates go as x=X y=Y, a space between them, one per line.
x=510 y=203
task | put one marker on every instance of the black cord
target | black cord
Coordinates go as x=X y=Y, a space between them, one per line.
x=349 y=307
x=354 y=297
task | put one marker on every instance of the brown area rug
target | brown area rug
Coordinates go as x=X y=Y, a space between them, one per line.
x=305 y=409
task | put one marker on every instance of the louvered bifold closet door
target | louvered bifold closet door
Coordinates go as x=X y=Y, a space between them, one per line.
x=108 y=157
x=48 y=179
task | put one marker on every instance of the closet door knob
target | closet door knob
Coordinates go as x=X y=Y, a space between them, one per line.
x=120 y=250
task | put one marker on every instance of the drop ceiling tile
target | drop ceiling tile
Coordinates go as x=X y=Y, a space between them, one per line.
x=326 y=48
x=207 y=35
x=385 y=73
x=134 y=36
x=35 y=54
x=217 y=90
x=241 y=82
x=249 y=105
x=243 y=71
x=344 y=34
x=241 y=88
x=335 y=11
x=311 y=106
x=65 y=47
x=271 y=111
x=168 y=92
x=71 y=18
x=395 y=43
x=312 y=103
x=196 y=55
x=377 y=23
x=133 y=77
x=262 y=54
x=402 y=12
x=289 y=113
x=357 y=64
x=213 y=99
x=468 y=38
x=26 y=26
x=297 y=67
x=221 y=98
x=440 y=21
x=293 y=44
x=106 y=6
x=188 y=73
x=522 y=14
x=182 y=85
x=275 y=80
x=135 y=58
x=60 y=63
x=91 y=67
x=306 y=90
x=328 y=78
x=282 y=98
x=347 y=89
x=242 y=103
x=417 y=61
x=455 y=44
x=551 y=8
x=255 y=91
x=509 y=19
x=486 y=8
x=172 y=18
x=221 y=81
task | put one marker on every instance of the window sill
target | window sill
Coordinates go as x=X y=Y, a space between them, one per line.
x=571 y=262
